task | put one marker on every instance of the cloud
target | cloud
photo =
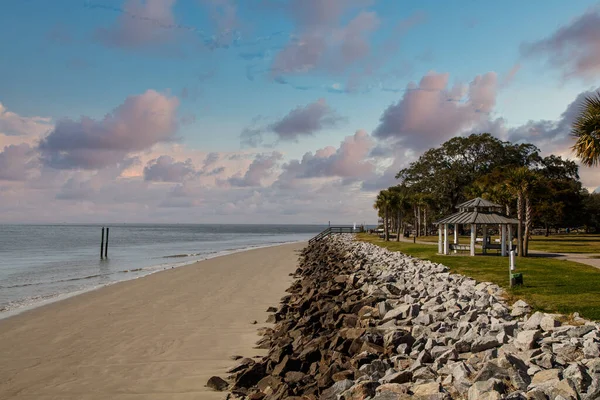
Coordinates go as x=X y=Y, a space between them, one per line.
x=17 y=162
x=137 y=124
x=551 y=136
x=321 y=37
x=166 y=169
x=573 y=48
x=261 y=168
x=431 y=112
x=510 y=76
x=141 y=23
x=12 y=124
x=305 y=121
x=300 y=121
x=348 y=161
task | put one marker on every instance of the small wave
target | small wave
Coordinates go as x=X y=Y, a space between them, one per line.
x=51 y=282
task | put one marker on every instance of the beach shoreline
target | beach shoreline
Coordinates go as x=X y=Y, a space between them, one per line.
x=28 y=304
x=160 y=336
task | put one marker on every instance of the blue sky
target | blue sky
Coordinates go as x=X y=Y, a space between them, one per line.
x=221 y=61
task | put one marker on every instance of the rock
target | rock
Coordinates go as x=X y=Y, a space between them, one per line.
x=484 y=343
x=426 y=389
x=336 y=389
x=527 y=339
x=562 y=388
x=361 y=391
x=294 y=376
x=591 y=349
x=578 y=377
x=548 y=323
x=486 y=390
x=245 y=363
x=217 y=383
x=520 y=308
x=491 y=370
x=545 y=379
x=268 y=381
x=397 y=377
x=235 y=357
x=534 y=321
x=536 y=394
x=392 y=387
x=579 y=331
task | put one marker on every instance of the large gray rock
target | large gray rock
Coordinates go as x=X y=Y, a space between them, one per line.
x=487 y=390
x=526 y=340
x=484 y=343
x=534 y=321
x=337 y=388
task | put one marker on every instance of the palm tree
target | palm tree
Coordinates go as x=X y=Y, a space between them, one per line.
x=383 y=203
x=399 y=204
x=586 y=128
x=520 y=182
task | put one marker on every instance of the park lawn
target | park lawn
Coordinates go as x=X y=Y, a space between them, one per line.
x=549 y=285
x=573 y=243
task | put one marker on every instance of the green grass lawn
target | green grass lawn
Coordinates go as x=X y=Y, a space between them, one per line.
x=573 y=243
x=549 y=285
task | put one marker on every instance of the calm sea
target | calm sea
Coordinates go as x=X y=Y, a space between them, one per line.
x=43 y=263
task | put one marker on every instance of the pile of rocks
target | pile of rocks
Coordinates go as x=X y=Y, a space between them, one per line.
x=361 y=322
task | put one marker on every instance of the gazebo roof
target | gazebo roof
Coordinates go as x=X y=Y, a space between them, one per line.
x=478 y=202
x=475 y=217
x=478 y=211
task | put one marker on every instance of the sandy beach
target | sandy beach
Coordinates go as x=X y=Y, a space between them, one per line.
x=158 y=337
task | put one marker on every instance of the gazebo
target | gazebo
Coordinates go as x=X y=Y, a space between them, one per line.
x=476 y=212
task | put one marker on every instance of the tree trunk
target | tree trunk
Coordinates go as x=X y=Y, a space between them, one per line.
x=418 y=221
x=386 y=225
x=520 y=225
x=547 y=230
x=528 y=224
x=425 y=222
x=398 y=226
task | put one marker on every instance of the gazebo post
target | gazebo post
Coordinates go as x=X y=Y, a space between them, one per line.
x=440 y=240
x=455 y=233
x=510 y=237
x=484 y=229
x=473 y=236
x=503 y=240
x=446 y=246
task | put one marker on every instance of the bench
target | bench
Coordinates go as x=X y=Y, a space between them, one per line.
x=498 y=247
x=459 y=247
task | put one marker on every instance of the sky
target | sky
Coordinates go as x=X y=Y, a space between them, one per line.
x=270 y=111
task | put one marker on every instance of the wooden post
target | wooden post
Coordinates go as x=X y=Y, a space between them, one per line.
x=473 y=237
x=102 y=244
x=106 y=245
x=440 y=240
x=503 y=240
x=484 y=246
x=446 y=244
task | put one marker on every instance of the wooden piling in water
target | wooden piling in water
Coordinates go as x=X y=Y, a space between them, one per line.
x=102 y=244
x=106 y=245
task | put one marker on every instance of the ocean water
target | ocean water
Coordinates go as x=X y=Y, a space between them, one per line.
x=43 y=263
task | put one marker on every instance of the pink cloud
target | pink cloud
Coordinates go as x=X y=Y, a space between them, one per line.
x=430 y=112
x=322 y=40
x=17 y=162
x=139 y=123
x=349 y=161
x=13 y=124
x=573 y=48
x=166 y=169
x=260 y=169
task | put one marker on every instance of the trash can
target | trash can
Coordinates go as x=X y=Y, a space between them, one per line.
x=516 y=279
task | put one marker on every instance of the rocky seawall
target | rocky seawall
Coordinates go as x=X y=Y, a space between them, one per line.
x=361 y=322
